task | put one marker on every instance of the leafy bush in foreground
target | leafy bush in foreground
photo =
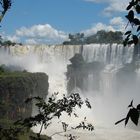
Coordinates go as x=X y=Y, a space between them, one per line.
x=47 y=111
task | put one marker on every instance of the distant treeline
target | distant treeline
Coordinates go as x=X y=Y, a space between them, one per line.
x=100 y=37
x=7 y=42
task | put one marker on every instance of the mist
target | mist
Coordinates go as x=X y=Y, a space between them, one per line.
x=109 y=103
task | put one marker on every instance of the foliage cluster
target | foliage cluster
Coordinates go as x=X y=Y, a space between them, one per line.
x=100 y=37
x=9 y=131
x=47 y=111
x=5 y=6
x=6 y=71
x=2 y=70
x=105 y=37
x=75 y=39
x=7 y=43
x=133 y=114
x=12 y=70
x=132 y=35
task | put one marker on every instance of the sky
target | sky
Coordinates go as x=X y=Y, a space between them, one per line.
x=50 y=21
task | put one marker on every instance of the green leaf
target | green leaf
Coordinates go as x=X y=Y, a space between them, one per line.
x=130 y=42
x=124 y=43
x=138 y=29
x=131 y=4
x=130 y=16
x=134 y=115
x=131 y=104
x=138 y=107
x=128 y=32
x=136 y=21
x=129 y=7
x=39 y=105
x=28 y=100
x=38 y=98
x=88 y=103
x=128 y=36
x=135 y=39
x=138 y=9
x=120 y=121
x=127 y=117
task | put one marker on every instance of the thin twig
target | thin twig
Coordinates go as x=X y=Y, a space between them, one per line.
x=58 y=133
x=127 y=25
x=41 y=129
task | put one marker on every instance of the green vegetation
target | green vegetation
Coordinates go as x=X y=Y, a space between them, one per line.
x=53 y=109
x=17 y=86
x=133 y=114
x=132 y=36
x=4 y=122
x=8 y=42
x=2 y=70
x=14 y=74
x=105 y=37
x=75 y=39
x=8 y=131
x=100 y=37
x=6 y=72
x=20 y=130
x=5 y=6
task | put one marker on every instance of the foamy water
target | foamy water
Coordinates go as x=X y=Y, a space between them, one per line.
x=105 y=134
x=106 y=109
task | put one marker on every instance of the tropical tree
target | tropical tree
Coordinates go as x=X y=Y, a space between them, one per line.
x=75 y=39
x=132 y=35
x=5 y=6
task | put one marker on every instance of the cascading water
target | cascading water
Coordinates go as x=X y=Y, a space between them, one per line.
x=108 y=107
x=114 y=54
x=49 y=59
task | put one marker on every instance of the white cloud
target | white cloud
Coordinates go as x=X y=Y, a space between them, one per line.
x=112 y=5
x=13 y=38
x=41 y=32
x=97 y=27
x=118 y=23
x=115 y=24
x=31 y=41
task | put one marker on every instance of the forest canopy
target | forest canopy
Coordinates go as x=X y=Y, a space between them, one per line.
x=101 y=36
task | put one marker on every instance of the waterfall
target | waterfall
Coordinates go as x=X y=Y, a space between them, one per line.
x=115 y=54
x=53 y=60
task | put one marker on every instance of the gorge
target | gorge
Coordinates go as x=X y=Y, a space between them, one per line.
x=107 y=74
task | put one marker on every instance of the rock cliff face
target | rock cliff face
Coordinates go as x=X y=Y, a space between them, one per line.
x=80 y=74
x=94 y=76
x=16 y=87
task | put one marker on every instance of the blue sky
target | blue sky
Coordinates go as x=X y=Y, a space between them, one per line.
x=50 y=21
